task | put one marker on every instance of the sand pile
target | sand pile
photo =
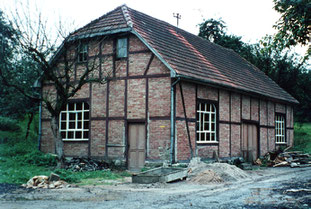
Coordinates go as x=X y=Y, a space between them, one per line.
x=207 y=176
x=201 y=172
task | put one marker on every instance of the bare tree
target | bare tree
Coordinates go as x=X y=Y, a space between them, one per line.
x=56 y=68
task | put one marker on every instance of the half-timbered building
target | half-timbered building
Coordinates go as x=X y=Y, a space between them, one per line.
x=171 y=95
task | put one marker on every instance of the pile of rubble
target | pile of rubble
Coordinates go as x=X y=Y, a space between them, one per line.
x=292 y=159
x=203 y=173
x=85 y=164
x=47 y=182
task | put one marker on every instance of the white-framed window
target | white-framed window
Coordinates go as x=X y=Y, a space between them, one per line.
x=280 y=128
x=82 y=52
x=206 y=123
x=74 y=121
x=121 y=48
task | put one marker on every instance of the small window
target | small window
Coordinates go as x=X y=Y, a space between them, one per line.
x=280 y=128
x=121 y=51
x=82 y=53
x=206 y=123
x=74 y=121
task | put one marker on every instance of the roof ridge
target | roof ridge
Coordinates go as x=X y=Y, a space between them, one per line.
x=127 y=15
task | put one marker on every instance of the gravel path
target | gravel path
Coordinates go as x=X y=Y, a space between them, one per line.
x=266 y=188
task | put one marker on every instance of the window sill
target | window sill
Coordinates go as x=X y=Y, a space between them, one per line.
x=281 y=143
x=75 y=140
x=208 y=143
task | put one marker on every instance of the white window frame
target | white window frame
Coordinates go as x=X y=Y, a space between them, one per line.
x=121 y=48
x=280 y=129
x=76 y=121
x=206 y=114
x=82 y=52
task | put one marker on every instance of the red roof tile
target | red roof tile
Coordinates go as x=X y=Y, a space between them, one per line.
x=189 y=55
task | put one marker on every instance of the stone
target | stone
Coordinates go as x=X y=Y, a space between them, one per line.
x=54 y=177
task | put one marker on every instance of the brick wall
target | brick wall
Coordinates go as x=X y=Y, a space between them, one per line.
x=98 y=134
x=116 y=98
x=159 y=97
x=133 y=87
x=131 y=83
x=159 y=140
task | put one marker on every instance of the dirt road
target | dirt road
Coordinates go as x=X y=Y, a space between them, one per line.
x=268 y=188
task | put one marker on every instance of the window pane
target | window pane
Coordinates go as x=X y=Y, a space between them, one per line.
x=86 y=115
x=70 y=134
x=63 y=133
x=212 y=137
x=64 y=116
x=86 y=125
x=79 y=115
x=72 y=125
x=63 y=125
x=208 y=137
x=79 y=106
x=202 y=137
x=86 y=106
x=72 y=116
x=122 y=47
x=85 y=135
x=213 y=127
x=79 y=125
x=206 y=126
x=78 y=134
x=71 y=106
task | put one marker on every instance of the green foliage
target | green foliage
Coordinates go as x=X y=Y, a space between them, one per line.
x=294 y=26
x=212 y=29
x=40 y=159
x=17 y=69
x=19 y=135
x=302 y=136
x=8 y=124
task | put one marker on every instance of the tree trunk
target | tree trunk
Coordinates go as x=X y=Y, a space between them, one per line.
x=30 y=116
x=58 y=141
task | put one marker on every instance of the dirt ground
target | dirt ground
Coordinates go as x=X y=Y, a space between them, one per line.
x=263 y=188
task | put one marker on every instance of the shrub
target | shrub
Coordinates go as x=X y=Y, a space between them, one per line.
x=40 y=159
x=8 y=124
x=14 y=147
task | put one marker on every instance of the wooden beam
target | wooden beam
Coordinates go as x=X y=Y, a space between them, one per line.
x=185 y=114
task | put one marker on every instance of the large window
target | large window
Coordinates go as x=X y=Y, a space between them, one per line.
x=82 y=53
x=121 y=51
x=206 y=123
x=280 y=128
x=74 y=121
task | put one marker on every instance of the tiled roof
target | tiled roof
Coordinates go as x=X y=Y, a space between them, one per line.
x=190 y=56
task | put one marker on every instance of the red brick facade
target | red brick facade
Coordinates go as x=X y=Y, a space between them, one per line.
x=140 y=91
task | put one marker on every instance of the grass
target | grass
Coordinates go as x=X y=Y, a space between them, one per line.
x=302 y=134
x=20 y=160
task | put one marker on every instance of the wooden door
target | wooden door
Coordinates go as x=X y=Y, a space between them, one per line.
x=137 y=146
x=250 y=142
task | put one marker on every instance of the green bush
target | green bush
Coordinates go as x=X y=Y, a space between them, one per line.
x=302 y=136
x=14 y=147
x=40 y=159
x=8 y=124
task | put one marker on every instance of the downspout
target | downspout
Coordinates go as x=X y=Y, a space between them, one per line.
x=173 y=121
x=40 y=117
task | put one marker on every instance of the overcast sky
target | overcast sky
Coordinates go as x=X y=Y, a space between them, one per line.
x=251 y=19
